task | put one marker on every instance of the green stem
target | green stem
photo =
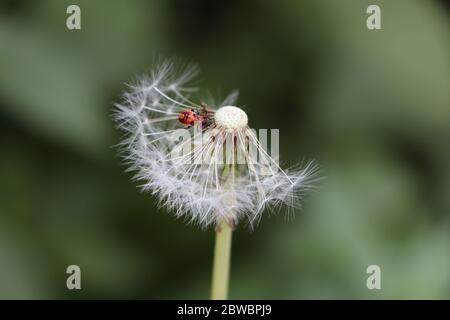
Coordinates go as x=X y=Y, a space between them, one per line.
x=221 y=264
x=222 y=248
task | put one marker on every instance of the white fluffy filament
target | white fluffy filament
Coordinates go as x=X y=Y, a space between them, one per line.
x=190 y=186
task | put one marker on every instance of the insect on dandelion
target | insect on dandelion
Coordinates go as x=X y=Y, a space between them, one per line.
x=220 y=177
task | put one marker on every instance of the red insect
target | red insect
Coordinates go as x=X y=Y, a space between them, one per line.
x=190 y=117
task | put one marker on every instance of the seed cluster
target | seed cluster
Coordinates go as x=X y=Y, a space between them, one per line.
x=231 y=117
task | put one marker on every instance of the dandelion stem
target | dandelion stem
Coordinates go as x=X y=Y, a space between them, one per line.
x=221 y=264
x=222 y=248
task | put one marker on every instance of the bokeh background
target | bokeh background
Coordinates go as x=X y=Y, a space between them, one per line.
x=371 y=107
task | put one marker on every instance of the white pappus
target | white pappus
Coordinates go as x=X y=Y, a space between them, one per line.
x=212 y=190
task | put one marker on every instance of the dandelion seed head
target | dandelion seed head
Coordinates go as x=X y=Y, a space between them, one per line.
x=231 y=117
x=192 y=179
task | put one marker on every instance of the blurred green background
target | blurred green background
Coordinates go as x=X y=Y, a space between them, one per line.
x=371 y=107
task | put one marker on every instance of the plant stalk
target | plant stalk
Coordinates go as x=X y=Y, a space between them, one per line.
x=221 y=264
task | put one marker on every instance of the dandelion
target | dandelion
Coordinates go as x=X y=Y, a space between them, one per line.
x=222 y=176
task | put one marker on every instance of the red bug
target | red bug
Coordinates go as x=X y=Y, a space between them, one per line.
x=190 y=117
x=202 y=116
